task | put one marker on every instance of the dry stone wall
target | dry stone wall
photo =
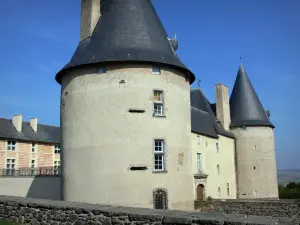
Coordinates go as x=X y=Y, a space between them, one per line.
x=44 y=212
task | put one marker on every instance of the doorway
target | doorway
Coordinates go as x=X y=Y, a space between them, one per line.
x=200 y=192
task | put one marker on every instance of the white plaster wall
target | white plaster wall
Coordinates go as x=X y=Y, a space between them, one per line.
x=260 y=182
x=31 y=187
x=210 y=159
x=101 y=139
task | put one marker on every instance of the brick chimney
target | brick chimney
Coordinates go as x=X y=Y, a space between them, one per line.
x=17 y=121
x=90 y=14
x=33 y=124
x=222 y=105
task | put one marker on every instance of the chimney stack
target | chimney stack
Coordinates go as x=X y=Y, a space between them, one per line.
x=17 y=121
x=33 y=124
x=90 y=14
x=222 y=105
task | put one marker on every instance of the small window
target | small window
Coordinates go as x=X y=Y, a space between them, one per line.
x=158 y=96
x=158 y=103
x=159 y=155
x=33 y=167
x=33 y=147
x=57 y=149
x=254 y=167
x=160 y=199
x=217 y=147
x=198 y=138
x=254 y=147
x=219 y=191
x=228 y=193
x=156 y=70
x=10 y=167
x=101 y=69
x=199 y=163
x=218 y=169
x=56 y=167
x=206 y=144
x=243 y=128
x=11 y=145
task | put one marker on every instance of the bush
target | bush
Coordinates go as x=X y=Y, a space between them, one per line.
x=291 y=191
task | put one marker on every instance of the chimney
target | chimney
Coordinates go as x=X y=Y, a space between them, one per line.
x=90 y=14
x=33 y=124
x=17 y=121
x=222 y=105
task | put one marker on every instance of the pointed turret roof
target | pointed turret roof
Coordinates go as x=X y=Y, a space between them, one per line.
x=128 y=30
x=245 y=106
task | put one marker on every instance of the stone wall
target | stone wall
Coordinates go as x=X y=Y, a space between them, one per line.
x=43 y=212
x=281 y=208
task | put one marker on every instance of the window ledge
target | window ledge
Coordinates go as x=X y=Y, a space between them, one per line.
x=159 y=116
x=159 y=171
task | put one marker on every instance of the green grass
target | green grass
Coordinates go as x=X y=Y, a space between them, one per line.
x=2 y=222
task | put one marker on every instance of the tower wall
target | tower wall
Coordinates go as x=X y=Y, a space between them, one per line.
x=101 y=139
x=256 y=163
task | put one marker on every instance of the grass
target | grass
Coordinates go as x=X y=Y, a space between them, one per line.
x=3 y=222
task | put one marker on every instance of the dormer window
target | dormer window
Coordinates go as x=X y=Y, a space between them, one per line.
x=243 y=128
x=155 y=70
x=101 y=69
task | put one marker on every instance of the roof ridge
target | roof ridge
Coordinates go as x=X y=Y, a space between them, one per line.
x=41 y=124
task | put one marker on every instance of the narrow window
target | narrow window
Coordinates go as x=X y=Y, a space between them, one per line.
x=217 y=147
x=158 y=103
x=218 y=169
x=57 y=149
x=198 y=137
x=56 y=167
x=160 y=199
x=33 y=167
x=159 y=155
x=11 y=145
x=10 y=167
x=228 y=193
x=199 y=164
x=33 y=147
x=155 y=70
x=254 y=147
x=101 y=69
x=219 y=191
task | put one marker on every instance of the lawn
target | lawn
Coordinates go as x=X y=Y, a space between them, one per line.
x=2 y=222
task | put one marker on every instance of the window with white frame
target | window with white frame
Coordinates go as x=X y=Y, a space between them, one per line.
x=10 y=166
x=56 y=167
x=33 y=167
x=57 y=149
x=159 y=155
x=11 y=145
x=219 y=191
x=228 y=193
x=156 y=70
x=218 y=169
x=217 y=147
x=158 y=103
x=33 y=147
x=199 y=163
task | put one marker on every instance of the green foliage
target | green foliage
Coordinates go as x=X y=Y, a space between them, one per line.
x=290 y=191
x=3 y=222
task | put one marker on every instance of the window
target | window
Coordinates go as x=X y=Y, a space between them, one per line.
x=11 y=145
x=33 y=147
x=160 y=199
x=56 y=167
x=57 y=149
x=254 y=147
x=228 y=193
x=219 y=191
x=218 y=169
x=101 y=69
x=10 y=166
x=155 y=70
x=158 y=103
x=198 y=137
x=33 y=167
x=159 y=154
x=199 y=166
x=243 y=128
x=217 y=146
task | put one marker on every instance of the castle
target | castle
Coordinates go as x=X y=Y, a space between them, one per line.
x=133 y=133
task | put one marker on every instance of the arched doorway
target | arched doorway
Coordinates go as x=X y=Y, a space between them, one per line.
x=200 y=192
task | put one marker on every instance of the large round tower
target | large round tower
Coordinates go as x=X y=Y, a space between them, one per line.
x=255 y=150
x=125 y=111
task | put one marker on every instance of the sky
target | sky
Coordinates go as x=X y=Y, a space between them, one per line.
x=39 y=37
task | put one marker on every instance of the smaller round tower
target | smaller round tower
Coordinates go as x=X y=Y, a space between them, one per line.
x=255 y=148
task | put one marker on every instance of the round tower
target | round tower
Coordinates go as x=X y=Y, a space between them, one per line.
x=125 y=112
x=255 y=149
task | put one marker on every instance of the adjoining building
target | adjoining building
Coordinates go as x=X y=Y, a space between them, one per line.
x=133 y=133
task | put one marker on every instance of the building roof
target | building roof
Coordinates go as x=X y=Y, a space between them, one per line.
x=45 y=133
x=203 y=118
x=245 y=106
x=128 y=30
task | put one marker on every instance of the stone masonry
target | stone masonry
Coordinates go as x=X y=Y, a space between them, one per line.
x=43 y=212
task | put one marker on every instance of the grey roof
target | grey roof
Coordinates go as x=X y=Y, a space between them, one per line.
x=203 y=118
x=245 y=106
x=45 y=133
x=128 y=30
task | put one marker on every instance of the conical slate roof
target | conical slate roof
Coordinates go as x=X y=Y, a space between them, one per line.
x=245 y=106
x=128 y=30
